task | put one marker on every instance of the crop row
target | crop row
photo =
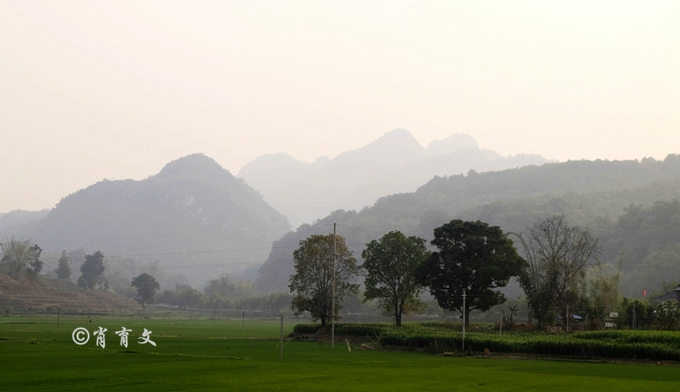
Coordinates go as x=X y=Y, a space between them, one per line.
x=373 y=329
x=431 y=337
x=532 y=344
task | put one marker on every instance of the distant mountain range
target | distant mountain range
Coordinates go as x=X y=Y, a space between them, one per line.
x=394 y=163
x=193 y=218
x=629 y=205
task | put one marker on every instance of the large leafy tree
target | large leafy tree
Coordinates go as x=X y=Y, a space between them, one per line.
x=312 y=282
x=146 y=286
x=474 y=257
x=557 y=254
x=390 y=265
x=93 y=272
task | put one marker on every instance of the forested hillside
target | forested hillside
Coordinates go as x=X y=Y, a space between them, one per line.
x=602 y=196
x=190 y=216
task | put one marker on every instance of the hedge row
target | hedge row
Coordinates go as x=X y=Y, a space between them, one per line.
x=533 y=344
x=434 y=337
x=374 y=329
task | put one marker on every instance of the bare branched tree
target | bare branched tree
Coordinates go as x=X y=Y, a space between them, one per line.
x=556 y=254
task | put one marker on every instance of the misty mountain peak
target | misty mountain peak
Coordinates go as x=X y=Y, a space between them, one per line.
x=194 y=166
x=397 y=147
x=453 y=143
x=398 y=138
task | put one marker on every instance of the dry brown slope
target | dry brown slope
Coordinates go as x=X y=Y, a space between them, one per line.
x=46 y=294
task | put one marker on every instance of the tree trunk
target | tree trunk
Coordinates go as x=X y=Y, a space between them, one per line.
x=397 y=314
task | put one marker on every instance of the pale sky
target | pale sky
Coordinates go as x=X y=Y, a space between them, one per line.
x=117 y=89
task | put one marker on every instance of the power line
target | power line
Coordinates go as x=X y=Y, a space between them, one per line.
x=159 y=236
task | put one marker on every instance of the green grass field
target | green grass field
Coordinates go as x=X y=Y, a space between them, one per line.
x=208 y=355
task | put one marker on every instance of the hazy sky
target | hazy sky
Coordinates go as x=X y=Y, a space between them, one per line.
x=93 y=90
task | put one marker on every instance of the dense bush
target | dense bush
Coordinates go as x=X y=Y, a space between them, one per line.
x=344 y=329
x=306 y=328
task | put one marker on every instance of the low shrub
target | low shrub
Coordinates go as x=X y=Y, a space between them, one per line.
x=306 y=328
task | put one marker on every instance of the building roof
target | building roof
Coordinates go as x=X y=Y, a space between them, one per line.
x=675 y=294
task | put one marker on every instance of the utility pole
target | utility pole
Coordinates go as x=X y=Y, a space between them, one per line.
x=463 y=345
x=333 y=300
x=281 y=342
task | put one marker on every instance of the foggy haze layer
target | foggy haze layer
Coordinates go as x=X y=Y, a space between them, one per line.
x=116 y=90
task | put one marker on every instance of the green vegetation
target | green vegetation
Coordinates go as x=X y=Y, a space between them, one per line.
x=93 y=272
x=473 y=260
x=208 y=355
x=320 y=281
x=390 y=264
x=594 y=195
x=63 y=270
x=438 y=338
x=146 y=286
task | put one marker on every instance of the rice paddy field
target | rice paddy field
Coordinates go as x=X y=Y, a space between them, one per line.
x=229 y=355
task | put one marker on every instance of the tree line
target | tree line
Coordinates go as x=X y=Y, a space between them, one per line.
x=471 y=261
x=22 y=258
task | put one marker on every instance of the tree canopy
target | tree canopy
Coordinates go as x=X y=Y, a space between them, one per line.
x=93 y=272
x=473 y=257
x=64 y=268
x=146 y=286
x=225 y=286
x=390 y=265
x=312 y=282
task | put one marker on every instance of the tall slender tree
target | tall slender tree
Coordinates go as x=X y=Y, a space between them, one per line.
x=64 y=268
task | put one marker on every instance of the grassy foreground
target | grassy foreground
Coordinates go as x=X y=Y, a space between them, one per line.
x=207 y=355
